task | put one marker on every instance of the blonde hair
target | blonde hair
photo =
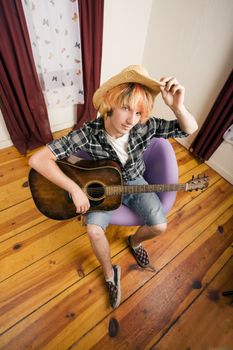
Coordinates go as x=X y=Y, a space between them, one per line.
x=134 y=95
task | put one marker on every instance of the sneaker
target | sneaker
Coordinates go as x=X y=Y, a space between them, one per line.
x=140 y=254
x=114 y=289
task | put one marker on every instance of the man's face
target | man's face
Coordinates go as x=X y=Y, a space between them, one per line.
x=122 y=121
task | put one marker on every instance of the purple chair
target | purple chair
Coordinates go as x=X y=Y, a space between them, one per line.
x=161 y=168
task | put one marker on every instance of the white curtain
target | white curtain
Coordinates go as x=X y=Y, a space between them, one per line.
x=53 y=27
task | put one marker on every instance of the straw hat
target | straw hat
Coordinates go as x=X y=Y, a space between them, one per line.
x=131 y=74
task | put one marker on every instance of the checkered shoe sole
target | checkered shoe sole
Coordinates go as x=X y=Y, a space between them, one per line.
x=114 y=289
x=140 y=254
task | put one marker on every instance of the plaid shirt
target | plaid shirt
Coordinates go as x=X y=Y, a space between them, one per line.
x=91 y=138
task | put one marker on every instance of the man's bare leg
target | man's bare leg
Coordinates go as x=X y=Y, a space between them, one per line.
x=147 y=232
x=101 y=248
x=142 y=234
x=112 y=274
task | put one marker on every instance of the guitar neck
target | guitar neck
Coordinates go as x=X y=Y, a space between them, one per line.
x=117 y=190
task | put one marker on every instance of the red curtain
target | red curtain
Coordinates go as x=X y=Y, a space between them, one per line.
x=217 y=122
x=21 y=99
x=91 y=13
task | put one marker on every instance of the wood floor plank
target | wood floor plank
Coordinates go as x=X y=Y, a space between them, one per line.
x=35 y=243
x=189 y=333
x=135 y=279
x=43 y=280
x=182 y=197
x=14 y=193
x=176 y=146
x=61 y=133
x=150 y=311
x=53 y=296
x=48 y=277
x=186 y=162
x=70 y=318
x=8 y=154
x=168 y=248
x=18 y=218
x=13 y=170
x=200 y=169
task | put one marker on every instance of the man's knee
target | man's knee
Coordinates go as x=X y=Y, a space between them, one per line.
x=95 y=232
x=159 y=228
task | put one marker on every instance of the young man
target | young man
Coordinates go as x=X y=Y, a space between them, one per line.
x=121 y=133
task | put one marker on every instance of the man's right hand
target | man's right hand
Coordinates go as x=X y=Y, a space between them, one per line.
x=80 y=200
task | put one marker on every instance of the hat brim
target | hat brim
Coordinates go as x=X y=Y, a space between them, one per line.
x=130 y=76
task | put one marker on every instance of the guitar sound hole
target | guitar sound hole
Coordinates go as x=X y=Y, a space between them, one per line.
x=95 y=191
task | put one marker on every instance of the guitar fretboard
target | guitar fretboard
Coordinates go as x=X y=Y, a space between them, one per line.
x=117 y=190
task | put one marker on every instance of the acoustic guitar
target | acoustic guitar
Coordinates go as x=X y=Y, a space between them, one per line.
x=102 y=183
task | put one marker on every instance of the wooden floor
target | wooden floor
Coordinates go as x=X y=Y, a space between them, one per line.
x=52 y=294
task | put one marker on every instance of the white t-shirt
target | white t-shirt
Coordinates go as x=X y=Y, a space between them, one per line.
x=120 y=145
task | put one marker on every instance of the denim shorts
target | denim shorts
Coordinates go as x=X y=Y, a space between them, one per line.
x=146 y=205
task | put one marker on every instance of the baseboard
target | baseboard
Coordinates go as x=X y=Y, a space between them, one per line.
x=5 y=143
x=54 y=128
x=184 y=142
x=62 y=126
x=211 y=163
x=221 y=171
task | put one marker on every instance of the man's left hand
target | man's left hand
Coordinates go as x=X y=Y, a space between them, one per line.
x=172 y=93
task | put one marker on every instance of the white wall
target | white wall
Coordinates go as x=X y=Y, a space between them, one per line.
x=125 y=29
x=60 y=118
x=191 y=39
x=222 y=161
x=5 y=140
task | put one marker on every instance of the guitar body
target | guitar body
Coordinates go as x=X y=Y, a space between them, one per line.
x=91 y=176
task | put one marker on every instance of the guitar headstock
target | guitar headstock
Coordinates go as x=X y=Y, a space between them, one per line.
x=199 y=182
